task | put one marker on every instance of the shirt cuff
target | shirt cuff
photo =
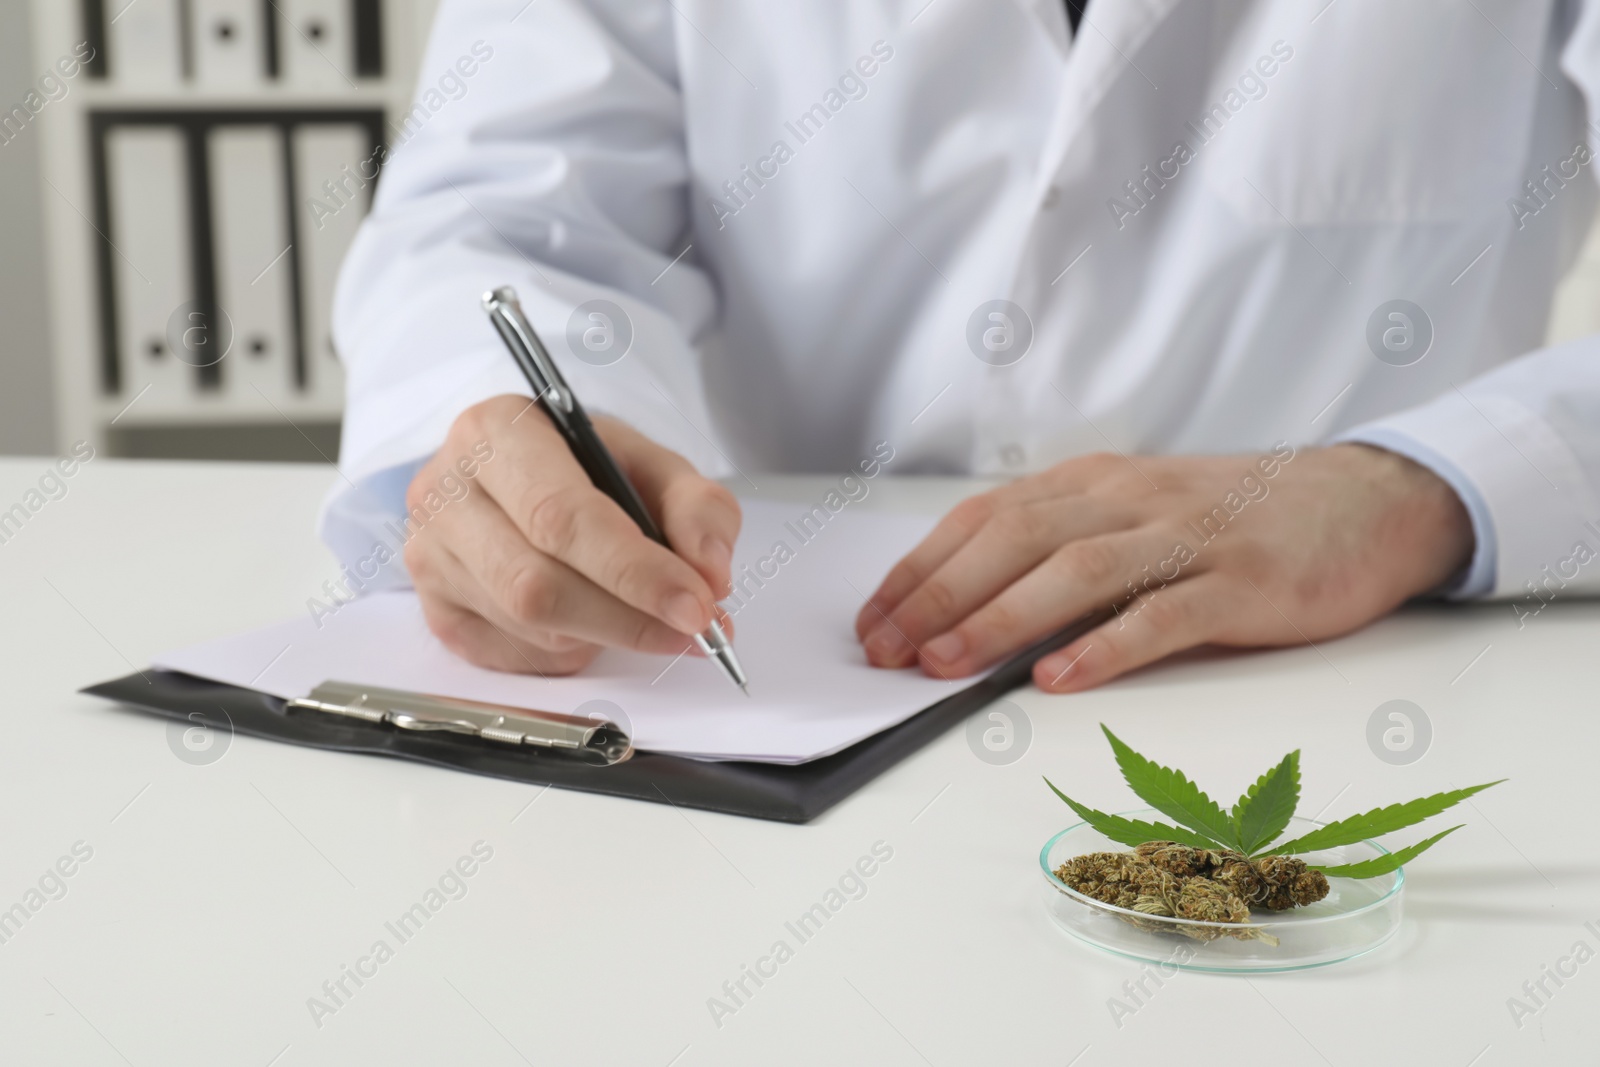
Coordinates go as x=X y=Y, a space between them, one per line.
x=367 y=528
x=1477 y=578
x=1524 y=488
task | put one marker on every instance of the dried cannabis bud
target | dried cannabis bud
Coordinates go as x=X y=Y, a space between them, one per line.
x=1117 y=878
x=1182 y=860
x=1289 y=882
x=1212 y=902
x=1133 y=882
x=1273 y=882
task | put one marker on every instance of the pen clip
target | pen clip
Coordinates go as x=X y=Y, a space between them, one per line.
x=506 y=312
x=592 y=741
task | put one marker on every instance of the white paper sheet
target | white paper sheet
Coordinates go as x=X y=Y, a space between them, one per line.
x=812 y=692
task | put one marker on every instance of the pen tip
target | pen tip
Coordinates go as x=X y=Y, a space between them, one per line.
x=745 y=689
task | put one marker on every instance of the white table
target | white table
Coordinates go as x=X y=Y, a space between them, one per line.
x=219 y=898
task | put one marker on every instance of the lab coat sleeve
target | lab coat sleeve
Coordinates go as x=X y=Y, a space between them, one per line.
x=545 y=151
x=1521 y=447
x=1521 y=444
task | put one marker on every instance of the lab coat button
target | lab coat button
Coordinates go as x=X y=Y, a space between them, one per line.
x=1012 y=455
x=1052 y=197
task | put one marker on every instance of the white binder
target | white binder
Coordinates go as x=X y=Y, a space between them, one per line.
x=228 y=42
x=315 y=39
x=143 y=41
x=254 y=266
x=151 y=261
x=322 y=154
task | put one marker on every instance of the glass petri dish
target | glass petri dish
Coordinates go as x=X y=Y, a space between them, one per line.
x=1356 y=916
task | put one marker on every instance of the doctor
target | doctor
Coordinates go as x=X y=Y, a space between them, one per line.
x=1241 y=297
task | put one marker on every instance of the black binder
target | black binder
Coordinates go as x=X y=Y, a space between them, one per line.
x=795 y=794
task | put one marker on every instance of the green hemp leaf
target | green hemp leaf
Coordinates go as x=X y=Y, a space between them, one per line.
x=1378 y=821
x=1131 y=831
x=1384 y=864
x=1259 y=817
x=1266 y=807
x=1174 y=796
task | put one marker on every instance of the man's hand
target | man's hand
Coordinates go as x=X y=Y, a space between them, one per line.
x=1249 y=551
x=534 y=569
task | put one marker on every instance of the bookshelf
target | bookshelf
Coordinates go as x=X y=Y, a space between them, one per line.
x=189 y=151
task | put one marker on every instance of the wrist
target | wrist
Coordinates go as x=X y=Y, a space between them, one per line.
x=1424 y=518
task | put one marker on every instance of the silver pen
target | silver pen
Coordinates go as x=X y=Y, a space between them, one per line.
x=551 y=391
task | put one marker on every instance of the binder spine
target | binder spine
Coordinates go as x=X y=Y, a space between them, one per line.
x=94 y=35
x=271 y=64
x=367 y=38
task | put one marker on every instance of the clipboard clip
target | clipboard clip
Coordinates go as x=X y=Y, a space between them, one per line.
x=590 y=741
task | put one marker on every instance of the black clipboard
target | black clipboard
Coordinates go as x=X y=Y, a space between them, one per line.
x=794 y=794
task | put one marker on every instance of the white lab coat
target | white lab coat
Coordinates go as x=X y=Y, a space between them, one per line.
x=805 y=210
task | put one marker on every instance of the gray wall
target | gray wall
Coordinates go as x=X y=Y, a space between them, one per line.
x=27 y=400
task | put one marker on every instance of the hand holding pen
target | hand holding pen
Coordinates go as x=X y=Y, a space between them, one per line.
x=561 y=405
x=523 y=565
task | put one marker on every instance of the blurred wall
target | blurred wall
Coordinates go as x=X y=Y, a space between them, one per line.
x=27 y=397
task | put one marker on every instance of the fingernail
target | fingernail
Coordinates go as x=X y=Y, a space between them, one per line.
x=886 y=644
x=684 y=614
x=1058 y=669
x=717 y=552
x=946 y=648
